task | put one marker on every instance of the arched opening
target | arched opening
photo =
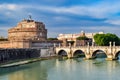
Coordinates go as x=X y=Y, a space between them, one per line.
x=78 y=53
x=117 y=55
x=99 y=54
x=62 y=53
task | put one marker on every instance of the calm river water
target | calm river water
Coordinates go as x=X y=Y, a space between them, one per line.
x=70 y=69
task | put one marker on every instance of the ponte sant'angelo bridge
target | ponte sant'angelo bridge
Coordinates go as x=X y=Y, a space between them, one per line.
x=111 y=52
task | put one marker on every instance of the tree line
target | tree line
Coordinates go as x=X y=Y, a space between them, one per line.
x=105 y=39
x=3 y=38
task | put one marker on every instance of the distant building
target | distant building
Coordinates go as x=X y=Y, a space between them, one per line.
x=28 y=34
x=72 y=37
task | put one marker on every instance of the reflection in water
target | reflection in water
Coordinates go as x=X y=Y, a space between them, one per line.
x=29 y=74
x=31 y=71
x=68 y=69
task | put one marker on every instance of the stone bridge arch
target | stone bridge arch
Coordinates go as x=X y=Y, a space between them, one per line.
x=95 y=49
x=78 y=53
x=62 y=53
x=99 y=52
x=116 y=54
x=66 y=49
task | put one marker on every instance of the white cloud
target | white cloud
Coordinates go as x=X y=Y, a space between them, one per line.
x=3 y=31
x=114 y=22
x=60 y=18
x=4 y=28
x=11 y=7
x=100 y=10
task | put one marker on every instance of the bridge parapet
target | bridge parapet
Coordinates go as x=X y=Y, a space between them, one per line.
x=100 y=47
x=80 y=47
x=62 y=47
x=117 y=47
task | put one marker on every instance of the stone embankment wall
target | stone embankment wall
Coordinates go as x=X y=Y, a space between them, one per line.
x=47 y=52
x=18 y=54
x=22 y=53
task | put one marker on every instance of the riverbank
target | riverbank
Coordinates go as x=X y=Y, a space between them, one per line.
x=22 y=62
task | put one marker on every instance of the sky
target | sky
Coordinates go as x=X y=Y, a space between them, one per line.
x=63 y=16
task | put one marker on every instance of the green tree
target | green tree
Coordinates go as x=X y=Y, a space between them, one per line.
x=3 y=39
x=52 y=39
x=104 y=39
x=82 y=38
x=71 y=42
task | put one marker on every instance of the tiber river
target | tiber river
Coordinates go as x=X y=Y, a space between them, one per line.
x=69 y=69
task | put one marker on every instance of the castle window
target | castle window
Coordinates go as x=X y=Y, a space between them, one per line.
x=40 y=34
x=40 y=27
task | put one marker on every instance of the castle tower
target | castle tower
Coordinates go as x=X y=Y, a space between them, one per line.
x=28 y=29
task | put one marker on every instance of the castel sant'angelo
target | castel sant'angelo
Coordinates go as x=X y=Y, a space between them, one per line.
x=27 y=30
x=27 y=34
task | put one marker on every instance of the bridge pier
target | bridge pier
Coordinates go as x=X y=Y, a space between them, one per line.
x=69 y=55
x=87 y=57
x=111 y=57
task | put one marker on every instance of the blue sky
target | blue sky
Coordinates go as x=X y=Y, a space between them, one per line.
x=63 y=16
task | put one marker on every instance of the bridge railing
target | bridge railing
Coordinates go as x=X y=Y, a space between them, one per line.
x=63 y=47
x=99 y=46
x=85 y=47
x=117 y=46
x=80 y=47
